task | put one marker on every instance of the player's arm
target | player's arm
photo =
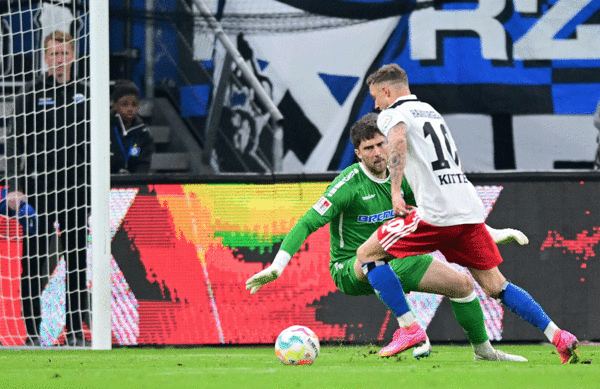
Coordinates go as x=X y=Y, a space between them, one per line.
x=319 y=215
x=397 y=162
x=13 y=202
x=289 y=247
x=409 y=196
x=15 y=147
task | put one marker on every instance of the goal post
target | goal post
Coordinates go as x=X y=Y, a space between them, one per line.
x=100 y=180
x=55 y=262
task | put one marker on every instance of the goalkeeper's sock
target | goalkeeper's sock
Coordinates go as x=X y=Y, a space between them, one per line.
x=484 y=349
x=469 y=315
x=521 y=303
x=389 y=289
x=550 y=330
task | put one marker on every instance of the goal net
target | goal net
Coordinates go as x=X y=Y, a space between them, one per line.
x=46 y=207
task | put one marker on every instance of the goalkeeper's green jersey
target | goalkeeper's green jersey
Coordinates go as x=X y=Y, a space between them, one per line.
x=355 y=204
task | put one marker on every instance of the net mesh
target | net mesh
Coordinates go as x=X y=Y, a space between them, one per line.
x=265 y=17
x=284 y=22
x=44 y=108
x=258 y=17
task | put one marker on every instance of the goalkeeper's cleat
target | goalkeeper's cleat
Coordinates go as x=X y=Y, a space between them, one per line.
x=500 y=356
x=566 y=345
x=423 y=350
x=404 y=338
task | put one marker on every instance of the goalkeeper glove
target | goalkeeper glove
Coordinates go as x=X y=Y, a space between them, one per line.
x=269 y=274
x=507 y=235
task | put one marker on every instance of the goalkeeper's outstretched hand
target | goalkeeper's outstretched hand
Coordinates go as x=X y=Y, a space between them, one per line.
x=508 y=235
x=263 y=277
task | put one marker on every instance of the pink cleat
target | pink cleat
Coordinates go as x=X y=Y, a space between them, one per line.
x=404 y=338
x=566 y=345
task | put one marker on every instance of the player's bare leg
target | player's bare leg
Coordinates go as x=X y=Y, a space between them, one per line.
x=443 y=279
x=490 y=280
x=521 y=303
x=371 y=251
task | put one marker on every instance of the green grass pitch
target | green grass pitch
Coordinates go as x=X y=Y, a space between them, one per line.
x=449 y=366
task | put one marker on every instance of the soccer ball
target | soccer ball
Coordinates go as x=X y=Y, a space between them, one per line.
x=297 y=345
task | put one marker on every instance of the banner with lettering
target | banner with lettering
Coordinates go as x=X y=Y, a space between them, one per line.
x=486 y=57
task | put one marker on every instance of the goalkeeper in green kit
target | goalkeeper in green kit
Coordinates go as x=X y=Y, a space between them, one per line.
x=355 y=204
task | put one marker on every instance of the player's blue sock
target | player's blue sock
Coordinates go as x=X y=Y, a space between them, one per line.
x=387 y=286
x=521 y=303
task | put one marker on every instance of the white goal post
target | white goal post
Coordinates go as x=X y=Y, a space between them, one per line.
x=55 y=261
x=100 y=159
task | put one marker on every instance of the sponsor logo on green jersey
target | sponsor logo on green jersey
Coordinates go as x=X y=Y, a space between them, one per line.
x=378 y=217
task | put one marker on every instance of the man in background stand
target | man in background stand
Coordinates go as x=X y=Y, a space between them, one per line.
x=48 y=168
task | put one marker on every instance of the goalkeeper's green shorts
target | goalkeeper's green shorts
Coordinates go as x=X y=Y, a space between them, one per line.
x=410 y=271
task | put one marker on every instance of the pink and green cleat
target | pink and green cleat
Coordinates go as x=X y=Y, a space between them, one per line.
x=566 y=345
x=404 y=338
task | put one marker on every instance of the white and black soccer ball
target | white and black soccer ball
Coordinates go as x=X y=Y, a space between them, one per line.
x=297 y=345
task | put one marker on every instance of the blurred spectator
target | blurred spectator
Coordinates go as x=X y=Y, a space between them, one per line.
x=50 y=132
x=597 y=124
x=131 y=145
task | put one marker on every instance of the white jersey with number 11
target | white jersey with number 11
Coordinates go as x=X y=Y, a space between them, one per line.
x=443 y=194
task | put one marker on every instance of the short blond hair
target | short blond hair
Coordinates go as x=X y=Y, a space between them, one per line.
x=388 y=73
x=59 y=36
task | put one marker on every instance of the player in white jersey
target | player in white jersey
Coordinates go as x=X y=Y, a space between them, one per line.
x=444 y=194
x=448 y=217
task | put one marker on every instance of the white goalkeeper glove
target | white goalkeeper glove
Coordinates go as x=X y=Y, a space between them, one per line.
x=507 y=235
x=269 y=274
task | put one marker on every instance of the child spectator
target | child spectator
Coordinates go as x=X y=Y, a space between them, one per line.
x=131 y=145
